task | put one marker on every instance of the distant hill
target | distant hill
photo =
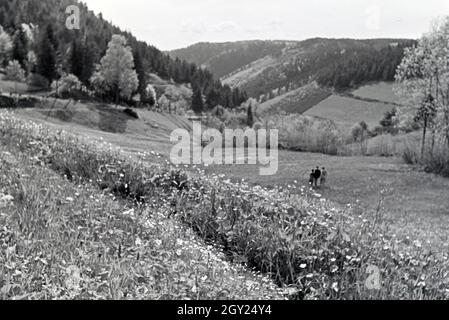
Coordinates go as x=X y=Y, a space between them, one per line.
x=225 y=58
x=259 y=67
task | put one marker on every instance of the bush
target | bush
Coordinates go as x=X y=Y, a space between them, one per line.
x=435 y=158
x=67 y=85
x=14 y=71
x=303 y=133
x=18 y=102
x=38 y=81
x=130 y=112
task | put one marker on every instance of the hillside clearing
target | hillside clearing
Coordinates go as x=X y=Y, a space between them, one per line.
x=381 y=91
x=149 y=133
x=346 y=111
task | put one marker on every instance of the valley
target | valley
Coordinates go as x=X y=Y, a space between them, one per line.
x=95 y=204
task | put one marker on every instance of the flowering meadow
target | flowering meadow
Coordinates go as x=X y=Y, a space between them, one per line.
x=84 y=219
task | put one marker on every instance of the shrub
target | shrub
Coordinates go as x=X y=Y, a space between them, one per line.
x=14 y=71
x=38 y=81
x=18 y=102
x=130 y=112
x=67 y=85
x=435 y=159
x=304 y=133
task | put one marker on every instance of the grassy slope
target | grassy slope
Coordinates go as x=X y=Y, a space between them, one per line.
x=252 y=224
x=351 y=178
x=382 y=91
x=12 y=86
x=411 y=198
x=151 y=132
x=347 y=111
x=67 y=241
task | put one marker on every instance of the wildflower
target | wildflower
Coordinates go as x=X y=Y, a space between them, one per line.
x=335 y=286
x=417 y=243
x=129 y=212
x=4 y=199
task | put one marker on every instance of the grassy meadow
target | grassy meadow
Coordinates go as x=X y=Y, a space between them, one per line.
x=346 y=111
x=309 y=246
x=381 y=91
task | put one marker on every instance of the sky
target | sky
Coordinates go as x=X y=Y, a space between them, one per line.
x=172 y=24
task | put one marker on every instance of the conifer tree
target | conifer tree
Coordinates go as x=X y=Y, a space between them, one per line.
x=46 y=57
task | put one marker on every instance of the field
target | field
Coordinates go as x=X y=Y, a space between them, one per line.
x=381 y=91
x=415 y=204
x=409 y=195
x=311 y=247
x=12 y=86
x=150 y=132
x=117 y=160
x=347 y=111
x=65 y=240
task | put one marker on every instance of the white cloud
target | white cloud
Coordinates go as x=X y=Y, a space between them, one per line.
x=226 y=26
x=194 y=27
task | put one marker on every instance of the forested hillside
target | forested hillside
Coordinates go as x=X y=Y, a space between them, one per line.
x=225 y=58
x=269 y=67
x=38 y=27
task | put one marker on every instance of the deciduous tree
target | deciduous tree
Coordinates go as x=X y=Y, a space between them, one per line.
x=117 y=67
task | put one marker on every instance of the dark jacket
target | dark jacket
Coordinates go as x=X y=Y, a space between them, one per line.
x=317 y=174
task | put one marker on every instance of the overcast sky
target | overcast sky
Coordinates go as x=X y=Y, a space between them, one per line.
x=171 y=24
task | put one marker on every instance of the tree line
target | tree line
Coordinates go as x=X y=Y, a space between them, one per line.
x=43 y=45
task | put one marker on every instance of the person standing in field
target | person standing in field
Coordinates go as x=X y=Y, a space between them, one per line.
x=312 y=177
x=323 y=177
x=317 y=176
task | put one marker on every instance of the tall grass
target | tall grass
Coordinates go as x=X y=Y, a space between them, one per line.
x=61 y=240
x=304 y=243
x=435 y=158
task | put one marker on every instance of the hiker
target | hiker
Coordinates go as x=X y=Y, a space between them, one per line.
x=323 y=177
x=317 y=176
x=312 y=177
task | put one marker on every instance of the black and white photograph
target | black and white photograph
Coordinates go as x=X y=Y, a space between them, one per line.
x=218 y=151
